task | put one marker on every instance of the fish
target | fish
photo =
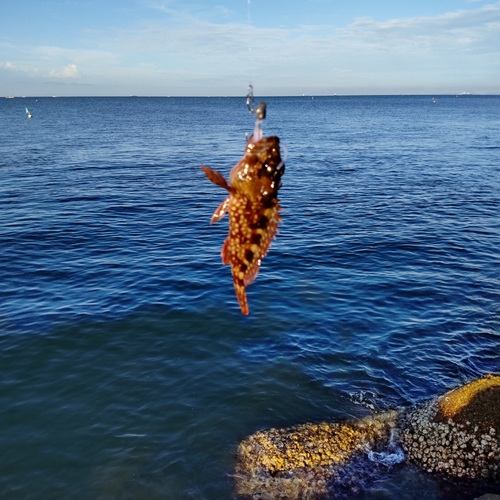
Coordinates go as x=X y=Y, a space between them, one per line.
x=253 y=209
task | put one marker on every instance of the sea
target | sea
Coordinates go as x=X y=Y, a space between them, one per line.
x=127 y=369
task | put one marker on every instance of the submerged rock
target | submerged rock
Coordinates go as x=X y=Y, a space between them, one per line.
x=456 y=435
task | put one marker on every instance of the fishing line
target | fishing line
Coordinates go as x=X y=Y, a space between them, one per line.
x=260 y=110
x=250 y=97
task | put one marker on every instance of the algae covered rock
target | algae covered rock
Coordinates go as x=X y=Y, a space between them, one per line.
x=306 y=461
x=457 y=434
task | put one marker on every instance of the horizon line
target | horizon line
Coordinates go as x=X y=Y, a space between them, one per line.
x=447 y=94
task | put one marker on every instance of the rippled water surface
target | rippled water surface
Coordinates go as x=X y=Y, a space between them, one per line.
x=127 y=370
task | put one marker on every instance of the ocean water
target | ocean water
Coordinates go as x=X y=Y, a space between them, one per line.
x=127 y=370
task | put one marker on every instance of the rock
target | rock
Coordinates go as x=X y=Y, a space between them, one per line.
x=456 y=435
x=459 y=431
x=306 y=461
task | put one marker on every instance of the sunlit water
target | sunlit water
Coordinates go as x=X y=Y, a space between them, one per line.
x=127 y=370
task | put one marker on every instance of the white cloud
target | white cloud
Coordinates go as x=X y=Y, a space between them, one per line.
x=397 y=53
x=14 y=68
x=222 y=43
x=8 y=65
x=192 y=57
x=69 y=71
x=455 y=30
x=58 y=62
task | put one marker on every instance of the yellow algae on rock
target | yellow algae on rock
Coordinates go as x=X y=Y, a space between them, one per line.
x=454 y=402
x=301 y=462
x=456 y=435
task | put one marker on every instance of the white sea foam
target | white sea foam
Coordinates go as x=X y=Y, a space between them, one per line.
x=390 y=457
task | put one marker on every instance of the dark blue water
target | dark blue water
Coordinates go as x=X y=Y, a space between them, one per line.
x=127 y=370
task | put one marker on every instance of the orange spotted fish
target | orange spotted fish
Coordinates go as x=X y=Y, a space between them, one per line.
x=253 y=210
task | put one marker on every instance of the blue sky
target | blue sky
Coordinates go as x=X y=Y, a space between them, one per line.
x=217 y=47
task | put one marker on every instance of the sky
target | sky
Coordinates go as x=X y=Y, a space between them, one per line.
x=218 y=47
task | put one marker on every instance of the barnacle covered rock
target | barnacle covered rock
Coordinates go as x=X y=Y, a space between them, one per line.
x=457 y=434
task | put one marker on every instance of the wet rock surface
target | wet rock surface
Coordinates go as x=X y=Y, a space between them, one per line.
x=456 y=436
x=307 y=461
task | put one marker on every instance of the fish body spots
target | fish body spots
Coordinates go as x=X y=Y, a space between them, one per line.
x=261 y=223
x=253 y=211
x=251 y=229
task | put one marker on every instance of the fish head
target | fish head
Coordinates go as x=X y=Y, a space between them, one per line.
x=258 y=174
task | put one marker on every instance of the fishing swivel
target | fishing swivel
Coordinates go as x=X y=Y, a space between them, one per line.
x=260 y=113
x=260 y=109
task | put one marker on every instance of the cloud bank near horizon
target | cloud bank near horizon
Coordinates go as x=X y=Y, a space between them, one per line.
x=183 y=55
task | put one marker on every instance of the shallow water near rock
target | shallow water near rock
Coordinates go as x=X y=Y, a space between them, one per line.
x=127 y=369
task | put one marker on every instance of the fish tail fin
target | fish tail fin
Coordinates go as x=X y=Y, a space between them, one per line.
x=241 y=295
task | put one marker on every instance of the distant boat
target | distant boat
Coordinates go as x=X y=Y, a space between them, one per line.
x=28 y=113
x=9 y=97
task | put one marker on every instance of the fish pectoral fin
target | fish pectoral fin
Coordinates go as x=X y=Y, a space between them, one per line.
x=216 y=177
x=220 y=211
